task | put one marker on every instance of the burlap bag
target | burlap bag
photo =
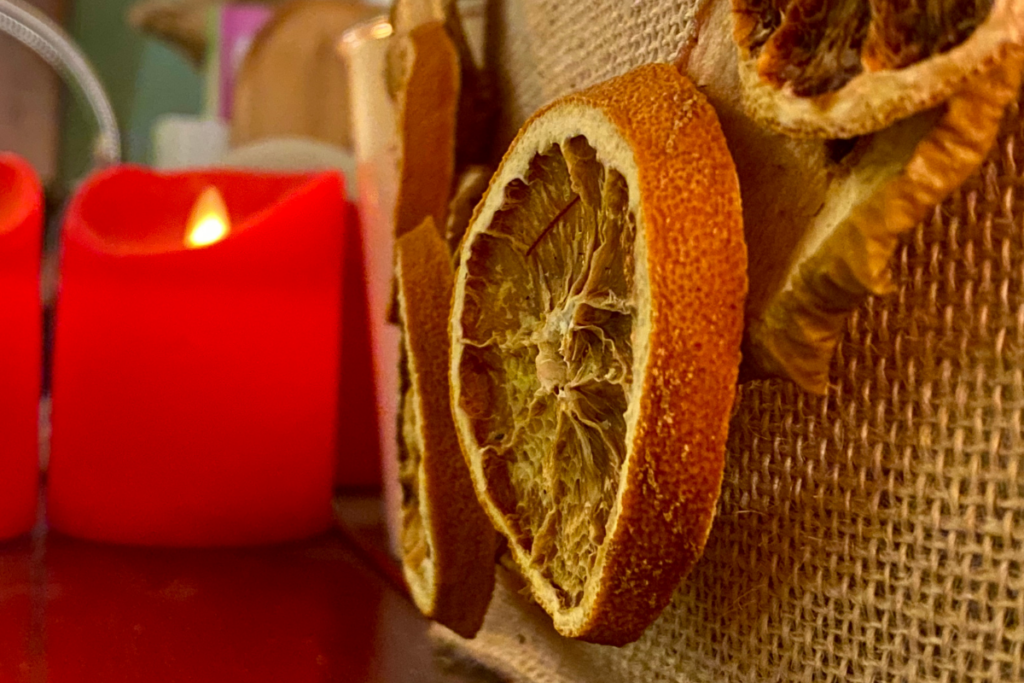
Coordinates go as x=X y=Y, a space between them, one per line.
x=876 y=534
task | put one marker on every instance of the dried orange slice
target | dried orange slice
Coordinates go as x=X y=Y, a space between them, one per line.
x=846 y=252
x=595 y=326
x=850 y=67
x=476 y=108
x=822 y=218
x=428 y=101
x=404 y=16
x=448 y=543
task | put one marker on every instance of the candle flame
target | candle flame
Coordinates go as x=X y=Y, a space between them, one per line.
x=382 y=30
x=209 y=222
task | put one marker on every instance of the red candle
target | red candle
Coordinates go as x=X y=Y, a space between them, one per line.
x=196 y=364
x=21 y=219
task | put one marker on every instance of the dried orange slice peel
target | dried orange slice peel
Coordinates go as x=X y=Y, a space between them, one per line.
x=448 y=543
x=846 y=254
x=595 y=327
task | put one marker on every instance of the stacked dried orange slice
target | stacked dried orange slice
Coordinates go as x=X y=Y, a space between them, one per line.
x=427 y=109
x=447 y=542
x=445 y=108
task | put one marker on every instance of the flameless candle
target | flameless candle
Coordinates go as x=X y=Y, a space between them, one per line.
x=20 y=344
x=196 y=364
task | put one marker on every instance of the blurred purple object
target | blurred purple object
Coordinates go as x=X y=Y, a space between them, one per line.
x=237 y=27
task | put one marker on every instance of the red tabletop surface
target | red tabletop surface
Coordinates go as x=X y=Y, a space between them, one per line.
x=322 y=610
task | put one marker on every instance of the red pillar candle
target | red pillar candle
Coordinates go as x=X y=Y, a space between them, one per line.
x=20 y=344
x=196 y=387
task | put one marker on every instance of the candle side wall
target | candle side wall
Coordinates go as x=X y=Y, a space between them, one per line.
x=195 y=392
x=20 y=345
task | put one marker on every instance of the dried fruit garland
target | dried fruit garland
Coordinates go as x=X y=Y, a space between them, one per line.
x=598 y=304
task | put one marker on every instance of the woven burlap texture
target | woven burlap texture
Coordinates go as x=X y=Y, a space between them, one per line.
x=875 y=534
x=541 y=49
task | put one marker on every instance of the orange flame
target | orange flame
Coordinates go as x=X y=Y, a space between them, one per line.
x=209 y=222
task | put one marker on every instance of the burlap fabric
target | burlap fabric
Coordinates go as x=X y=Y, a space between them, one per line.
x=875 y=534
x=542 y=49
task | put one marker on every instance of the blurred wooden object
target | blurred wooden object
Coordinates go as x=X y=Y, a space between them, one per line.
x=180 y=23
x=30 y=101
x=293 y=82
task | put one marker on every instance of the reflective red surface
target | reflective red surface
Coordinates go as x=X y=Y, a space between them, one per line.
x=16 y=621
x=74 y=611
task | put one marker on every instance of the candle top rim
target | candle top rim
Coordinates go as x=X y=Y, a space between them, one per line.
x=105 y=213
x=21 y=193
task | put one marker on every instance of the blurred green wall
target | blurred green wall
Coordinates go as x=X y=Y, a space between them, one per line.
x=143 y=77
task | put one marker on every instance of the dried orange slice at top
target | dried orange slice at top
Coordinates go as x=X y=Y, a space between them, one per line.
x=596 y=327
x=849 y=67
x=428 y=102
x=448 y=543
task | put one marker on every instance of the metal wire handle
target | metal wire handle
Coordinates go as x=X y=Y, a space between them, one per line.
x=40 y=34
